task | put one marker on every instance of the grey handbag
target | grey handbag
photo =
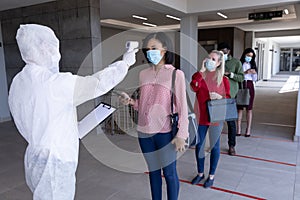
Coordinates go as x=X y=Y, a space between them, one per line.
x=243 y=96
x=222 y=110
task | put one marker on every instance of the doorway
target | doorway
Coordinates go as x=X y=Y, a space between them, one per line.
x=289 y=59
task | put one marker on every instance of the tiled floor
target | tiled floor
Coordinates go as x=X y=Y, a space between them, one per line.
x=267 y=165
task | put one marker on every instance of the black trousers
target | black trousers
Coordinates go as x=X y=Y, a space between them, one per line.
x=231 y=133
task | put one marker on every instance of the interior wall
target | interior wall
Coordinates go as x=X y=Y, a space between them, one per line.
x=233 y=36
x=77 y=26
x=4 y=110
x=72 y=23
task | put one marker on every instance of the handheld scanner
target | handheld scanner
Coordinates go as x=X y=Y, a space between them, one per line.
x=131 y=45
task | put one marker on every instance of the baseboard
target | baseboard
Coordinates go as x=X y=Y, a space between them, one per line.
x=5 y=119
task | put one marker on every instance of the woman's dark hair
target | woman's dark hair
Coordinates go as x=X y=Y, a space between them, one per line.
x=252 y=62
x=166 y=43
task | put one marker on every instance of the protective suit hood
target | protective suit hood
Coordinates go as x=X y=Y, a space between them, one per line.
x=39 y=46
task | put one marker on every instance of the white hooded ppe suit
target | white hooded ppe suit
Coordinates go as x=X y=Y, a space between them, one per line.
x=43 y=104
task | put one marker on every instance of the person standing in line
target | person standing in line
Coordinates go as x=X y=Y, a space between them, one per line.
x=43 y=103
x=208 y=84
x=154 y=109
x=250 y=76
x=235 y=74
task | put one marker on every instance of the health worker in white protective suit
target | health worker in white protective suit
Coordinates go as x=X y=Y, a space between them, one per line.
x=43 y=104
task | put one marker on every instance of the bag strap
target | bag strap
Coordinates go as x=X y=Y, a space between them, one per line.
x=190 y=105
x=242 y=84
x=172 y=90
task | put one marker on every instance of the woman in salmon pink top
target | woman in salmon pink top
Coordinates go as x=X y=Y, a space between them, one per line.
x=157 y=143
x=208 y=84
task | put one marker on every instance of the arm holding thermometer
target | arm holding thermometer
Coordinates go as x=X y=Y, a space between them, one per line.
x=132 y=49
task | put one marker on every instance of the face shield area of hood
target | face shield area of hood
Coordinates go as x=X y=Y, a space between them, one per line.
x=39 y=46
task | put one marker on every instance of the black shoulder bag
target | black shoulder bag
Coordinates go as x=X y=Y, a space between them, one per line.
x=174 y=116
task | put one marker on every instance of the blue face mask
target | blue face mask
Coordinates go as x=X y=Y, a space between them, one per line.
x=154 y=56
x=210 y=65
x=248 y=59
x=225 y=57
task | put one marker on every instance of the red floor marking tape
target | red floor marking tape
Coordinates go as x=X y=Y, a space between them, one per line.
x=223 y=190
x=228 y=191
x=266 y=138
x=262 y=159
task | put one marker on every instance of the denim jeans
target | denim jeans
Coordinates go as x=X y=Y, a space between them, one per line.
x=160 y=154
x=231 y=133
x=214 y=138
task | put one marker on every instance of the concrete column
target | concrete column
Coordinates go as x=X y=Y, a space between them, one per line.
x=291 y=59
x=4 y=110
x=249 y=39
x=297 y=130
x=189 y=50
x=189 y=45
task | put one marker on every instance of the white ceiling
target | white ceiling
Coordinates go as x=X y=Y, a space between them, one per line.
x=155 y=10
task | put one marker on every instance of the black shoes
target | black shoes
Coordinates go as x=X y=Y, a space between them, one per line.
x=208 y=183
x=197 y=179
x=231 y=151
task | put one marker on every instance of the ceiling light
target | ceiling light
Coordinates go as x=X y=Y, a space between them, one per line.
x=148 y=24
x=172 y=17
x=222 y=15
x=286 y=11
x=139 y=17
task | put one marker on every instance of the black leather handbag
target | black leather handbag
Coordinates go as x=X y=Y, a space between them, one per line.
x=222 y=110
x=193 y=124
x=174 y=116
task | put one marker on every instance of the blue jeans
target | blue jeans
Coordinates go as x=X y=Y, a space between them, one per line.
x=214 y=138
x=160 y=154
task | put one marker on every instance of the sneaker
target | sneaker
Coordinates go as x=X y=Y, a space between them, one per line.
x=208 y=183
x=197 y=179
x=231 y=151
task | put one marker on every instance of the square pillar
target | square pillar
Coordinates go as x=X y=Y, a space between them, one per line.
x=189 y=45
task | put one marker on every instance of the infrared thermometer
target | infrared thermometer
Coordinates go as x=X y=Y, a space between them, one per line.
x=131 y=45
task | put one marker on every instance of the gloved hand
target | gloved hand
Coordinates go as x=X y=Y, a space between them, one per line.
x=129 y=57
x=179 y=144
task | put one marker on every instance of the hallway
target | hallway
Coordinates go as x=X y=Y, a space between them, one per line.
x=267 y=165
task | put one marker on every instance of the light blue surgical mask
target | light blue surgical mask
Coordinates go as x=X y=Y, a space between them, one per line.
x=248 y=59
x=210 y=65
x=154 y=56
x=225 y=57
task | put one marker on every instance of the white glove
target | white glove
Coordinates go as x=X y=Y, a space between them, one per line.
x=129 y=57
x=179 y=144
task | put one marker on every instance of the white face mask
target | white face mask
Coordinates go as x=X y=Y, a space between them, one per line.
x=210 y=65
x=154 y=56
x=248 y=59
x=225 y=57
